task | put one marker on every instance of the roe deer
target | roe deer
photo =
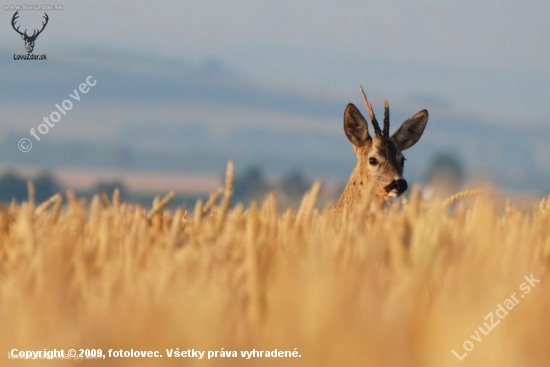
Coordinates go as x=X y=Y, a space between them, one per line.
x=379 y=159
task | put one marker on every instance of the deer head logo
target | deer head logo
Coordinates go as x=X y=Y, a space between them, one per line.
x=29 y=40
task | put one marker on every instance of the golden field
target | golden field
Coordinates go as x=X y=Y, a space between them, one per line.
x=366 y=287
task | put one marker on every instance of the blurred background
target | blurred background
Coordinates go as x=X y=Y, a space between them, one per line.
x=183 y=86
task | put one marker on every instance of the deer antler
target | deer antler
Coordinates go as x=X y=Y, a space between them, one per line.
x=35 y=33
x=371 y=112
x=43 y=26
x=13 y=19
x=386 y=119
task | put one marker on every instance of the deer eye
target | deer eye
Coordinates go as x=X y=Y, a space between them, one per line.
x=373 y=161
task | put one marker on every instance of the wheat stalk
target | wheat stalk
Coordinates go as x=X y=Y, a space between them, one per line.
x=461 y=195
x=47 y=204
x=158 y=206
x=227 y=196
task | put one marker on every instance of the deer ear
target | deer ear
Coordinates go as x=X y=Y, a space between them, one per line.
x=411 y=130
x=23 y=36
x=355 y=126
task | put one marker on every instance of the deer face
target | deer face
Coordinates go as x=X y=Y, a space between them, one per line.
x=382 y=165
x=29 y=40
x=380 y=160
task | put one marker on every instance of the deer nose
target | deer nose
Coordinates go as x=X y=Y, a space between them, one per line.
x=398 y=186
x=401 y=185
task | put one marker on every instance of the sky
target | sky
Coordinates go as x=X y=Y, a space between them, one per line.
x=482 y=55
x=491 y=57
x=482 y=62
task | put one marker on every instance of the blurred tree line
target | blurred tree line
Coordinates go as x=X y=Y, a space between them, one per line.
x=14 y=187
x=444 y=176
x=253 y=185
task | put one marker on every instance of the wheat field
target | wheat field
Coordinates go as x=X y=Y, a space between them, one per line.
x=404 y=286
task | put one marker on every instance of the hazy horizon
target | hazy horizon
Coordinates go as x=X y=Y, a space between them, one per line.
x=183 y=87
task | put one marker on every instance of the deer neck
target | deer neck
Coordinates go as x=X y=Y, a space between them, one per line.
x=357 y=188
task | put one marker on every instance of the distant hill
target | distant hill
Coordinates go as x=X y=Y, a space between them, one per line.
x=154 y=114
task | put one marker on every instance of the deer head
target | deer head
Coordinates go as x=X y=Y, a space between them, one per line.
x=380 y=160
x=29 y=40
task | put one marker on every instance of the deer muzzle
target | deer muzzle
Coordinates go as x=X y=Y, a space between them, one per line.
x=396 y=187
